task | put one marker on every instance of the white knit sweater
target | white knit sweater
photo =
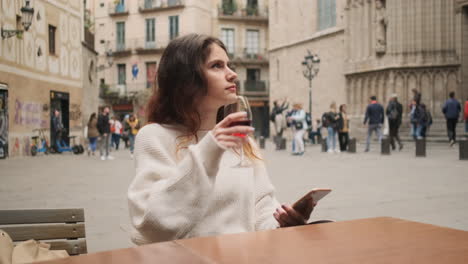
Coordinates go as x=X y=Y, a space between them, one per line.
x=194 y=192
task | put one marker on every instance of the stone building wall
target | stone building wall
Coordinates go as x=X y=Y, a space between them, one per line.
x=30 y=73
x=394 y=46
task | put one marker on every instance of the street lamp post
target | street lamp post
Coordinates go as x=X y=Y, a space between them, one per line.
x=310 y=69
x=27 y=13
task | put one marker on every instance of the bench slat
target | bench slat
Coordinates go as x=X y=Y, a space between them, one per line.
x=35 y=216
x=73 y=247
x=45 y=231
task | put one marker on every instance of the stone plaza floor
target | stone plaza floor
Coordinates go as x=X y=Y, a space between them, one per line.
x=430 y=190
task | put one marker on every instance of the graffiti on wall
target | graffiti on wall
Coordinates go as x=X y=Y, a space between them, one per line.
x=29 y=114
x=75 y=112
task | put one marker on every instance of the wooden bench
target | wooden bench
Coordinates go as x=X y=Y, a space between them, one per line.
x=61 y=228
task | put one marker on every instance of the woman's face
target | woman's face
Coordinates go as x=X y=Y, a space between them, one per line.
x=220 y=80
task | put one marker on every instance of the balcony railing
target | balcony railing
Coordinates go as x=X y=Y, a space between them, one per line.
x=159 y=5
x=117 y=9
x=231 y=12
x=255 y=87
x=115 y=91
x=120 y=49
x=143 y=46
x=249 y=55
x=139 y=46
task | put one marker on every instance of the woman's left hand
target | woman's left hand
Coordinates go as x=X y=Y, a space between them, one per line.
x=288 y=216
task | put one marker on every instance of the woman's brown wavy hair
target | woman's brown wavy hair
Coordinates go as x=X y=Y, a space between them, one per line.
x=181 y=84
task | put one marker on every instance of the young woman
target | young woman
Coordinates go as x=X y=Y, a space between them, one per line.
x=185 y=184
x=93 y=134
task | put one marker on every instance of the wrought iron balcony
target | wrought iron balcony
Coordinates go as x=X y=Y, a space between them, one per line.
x=251 y=13
x=143 y=46
x=249 y=55
x=258 y=88
x=146 y=6
x=117 y=9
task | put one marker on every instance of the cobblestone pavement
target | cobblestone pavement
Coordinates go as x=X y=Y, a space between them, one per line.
x=431 y=190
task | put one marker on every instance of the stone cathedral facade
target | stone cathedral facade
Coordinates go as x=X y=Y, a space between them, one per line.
x=369 y=47
x=394 y=46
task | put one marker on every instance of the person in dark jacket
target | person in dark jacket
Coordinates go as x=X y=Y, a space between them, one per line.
x=278 y=118
x=343 y=128
x=375 y=117
x=104 y=134
x=424 y=121
x=465 y=117
x=394 y=115
x=58 y=130
x=451 y=110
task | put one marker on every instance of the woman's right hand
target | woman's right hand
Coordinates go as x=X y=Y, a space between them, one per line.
x=223 y=132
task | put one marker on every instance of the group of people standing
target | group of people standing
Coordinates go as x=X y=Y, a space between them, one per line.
x=300 y=122
x=337 y=124
x=108 y=132
x=297 y=119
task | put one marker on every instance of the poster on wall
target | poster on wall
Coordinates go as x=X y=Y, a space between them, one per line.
x=150 y=74
x=3 y=123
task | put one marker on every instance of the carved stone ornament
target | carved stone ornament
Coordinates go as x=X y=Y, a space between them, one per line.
x=380 y=27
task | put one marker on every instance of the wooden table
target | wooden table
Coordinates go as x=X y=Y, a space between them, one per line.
x=374 y=240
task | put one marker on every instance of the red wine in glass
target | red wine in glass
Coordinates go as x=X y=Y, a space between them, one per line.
x=246 y=122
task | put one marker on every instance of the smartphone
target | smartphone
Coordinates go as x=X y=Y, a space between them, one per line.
x=314 y=195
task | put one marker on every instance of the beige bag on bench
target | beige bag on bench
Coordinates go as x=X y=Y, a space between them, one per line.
x=27 y=251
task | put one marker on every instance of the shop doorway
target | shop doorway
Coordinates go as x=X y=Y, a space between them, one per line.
x=61 y=102
x=3 y=121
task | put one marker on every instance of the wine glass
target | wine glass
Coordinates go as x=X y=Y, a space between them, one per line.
x=242 y=105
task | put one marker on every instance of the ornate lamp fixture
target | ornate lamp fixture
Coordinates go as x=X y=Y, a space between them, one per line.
x=27 y=13
x=310 y=69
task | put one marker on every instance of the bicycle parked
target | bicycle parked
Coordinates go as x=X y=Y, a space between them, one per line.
x=39 y=143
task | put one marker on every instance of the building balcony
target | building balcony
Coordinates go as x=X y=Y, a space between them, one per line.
x=117 y=10
x=232 y=13
x=255 y=88
x=142 y=46
x=250 y=56
x=147 y=6
x=128 y=90
x=88 y=38
x=120 y=49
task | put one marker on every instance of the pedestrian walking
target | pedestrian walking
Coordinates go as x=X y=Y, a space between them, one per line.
x=343 y=128
x=185 y=185
x=277 y=116
x=375 y=117
x=58 y=130
x=465 y=116
x=290 y=124
x=416 y=96
x=132 y=126
x=414 y=115
x=103 y=126
x=93 y=134
x=125 y=132
x=330 y=121
x=395 y=115
x=298 y=119
x=425 y=121
x=116 y=129
x=451 y=110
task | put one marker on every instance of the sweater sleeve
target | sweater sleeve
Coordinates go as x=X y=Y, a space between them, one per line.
x=166 y=199
x=265 y=201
